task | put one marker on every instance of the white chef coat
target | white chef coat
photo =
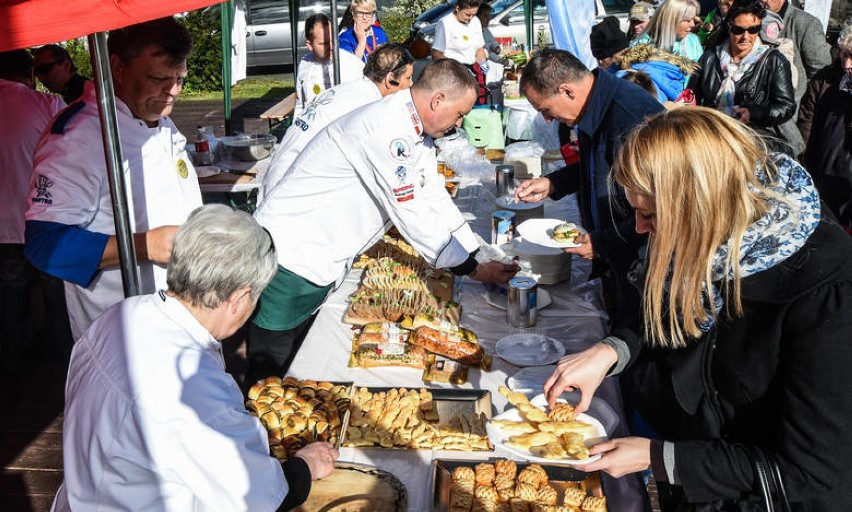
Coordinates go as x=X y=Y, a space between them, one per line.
x=325 y=108
x=70 y=186
x=458 y=41
x=26 y=113
x=314 y=77
x=359 y=173
x=153 y=422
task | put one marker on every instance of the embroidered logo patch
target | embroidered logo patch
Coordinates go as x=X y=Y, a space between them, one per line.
x=183 y=172
x=317 y=88
x=42 y=195
x=405 y=193
x=401 y=173
x=400 y=150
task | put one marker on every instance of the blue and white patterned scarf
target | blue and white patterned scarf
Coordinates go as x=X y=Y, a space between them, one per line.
x=773 y=238
x=846 y=83
x=780 y=233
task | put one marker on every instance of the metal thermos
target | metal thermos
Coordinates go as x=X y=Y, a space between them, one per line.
x=505 y=177
x=502 y=227
x=523 y=299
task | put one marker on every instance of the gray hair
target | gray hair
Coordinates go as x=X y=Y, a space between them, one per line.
x=218 y=251
x=448 y=75
x=844 y=40
x=548 y=68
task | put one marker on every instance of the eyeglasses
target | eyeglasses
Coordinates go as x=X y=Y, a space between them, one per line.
x=364 y=14
x=271 y=242
x=738 y=30
x=44 y=69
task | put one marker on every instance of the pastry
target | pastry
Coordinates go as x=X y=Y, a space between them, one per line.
x=526 y=441
x=523 y=427
x=561 y=412
x=573 y=497
x=593 y=504
x=547 y=494
x=506 y=467
x=484 y=474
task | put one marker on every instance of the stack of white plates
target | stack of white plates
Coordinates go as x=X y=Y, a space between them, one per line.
x=523 y=211
x=553 y=264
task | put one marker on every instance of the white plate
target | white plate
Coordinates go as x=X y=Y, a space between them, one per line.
x=499 y=298
x=499 y=436
x=530 y=379
x=529 y=349
x=205 y=171
x=538 y=231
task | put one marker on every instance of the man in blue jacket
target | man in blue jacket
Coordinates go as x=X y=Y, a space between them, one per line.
x=602 y=108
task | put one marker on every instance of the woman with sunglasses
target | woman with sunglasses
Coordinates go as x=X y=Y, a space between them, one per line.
x=364 y=34
x=749 y=80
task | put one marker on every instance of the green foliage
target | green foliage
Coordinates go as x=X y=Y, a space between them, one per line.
x=78 y=50
x=397 y=26
x=205 y=63
x=411 y=8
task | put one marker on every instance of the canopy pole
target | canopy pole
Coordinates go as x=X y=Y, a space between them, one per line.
x=115 y=168
x=528 y=15
x=333 y=40
x=226 y=11
x=294 y=35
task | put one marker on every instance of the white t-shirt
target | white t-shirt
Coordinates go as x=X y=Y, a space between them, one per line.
x=459 y=41
x=70 y=186
x=314 y=77
x=370 y=168
x=153 y=422
x=325 y=108
x=26 y=113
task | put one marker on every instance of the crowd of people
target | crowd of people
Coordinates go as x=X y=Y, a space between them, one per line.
x=714 y=182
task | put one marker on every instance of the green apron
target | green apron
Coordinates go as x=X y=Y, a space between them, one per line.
x=288 y=301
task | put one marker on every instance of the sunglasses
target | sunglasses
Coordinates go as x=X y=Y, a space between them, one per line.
x=45 y=68
x=738 y=30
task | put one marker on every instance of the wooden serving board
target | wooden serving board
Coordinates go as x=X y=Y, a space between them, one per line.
x=356 y=487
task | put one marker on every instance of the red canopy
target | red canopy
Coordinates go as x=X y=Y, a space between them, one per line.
x=26 y=23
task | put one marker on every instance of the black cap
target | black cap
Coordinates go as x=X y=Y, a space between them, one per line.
x=607 y=39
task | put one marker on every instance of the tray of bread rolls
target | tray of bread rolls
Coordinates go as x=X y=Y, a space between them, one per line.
x=503 y=485
x=419 y=419
x=298 y=412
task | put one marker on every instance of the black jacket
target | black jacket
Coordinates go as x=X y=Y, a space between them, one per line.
x=778 y=377
x=829 y=154
x=766 y=90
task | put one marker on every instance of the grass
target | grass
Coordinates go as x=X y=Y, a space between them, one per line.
x=265 y=86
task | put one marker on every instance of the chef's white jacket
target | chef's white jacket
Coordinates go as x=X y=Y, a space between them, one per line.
x=458 y=41
x=153 y=422
x=26 y=113
x=314 y=77
x=325 y=108
x=369 y=168
x=70 y=187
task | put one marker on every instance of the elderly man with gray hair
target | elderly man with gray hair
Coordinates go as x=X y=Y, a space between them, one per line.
x=152 y=421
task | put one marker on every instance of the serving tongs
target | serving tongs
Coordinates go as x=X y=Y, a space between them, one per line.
x=345 y=425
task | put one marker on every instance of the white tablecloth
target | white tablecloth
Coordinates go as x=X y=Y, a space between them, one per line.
x=575 y=317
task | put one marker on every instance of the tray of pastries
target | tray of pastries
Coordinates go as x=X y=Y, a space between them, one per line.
x=503 y=485
x=297 y=412
x=396 y=283
x=427 y=419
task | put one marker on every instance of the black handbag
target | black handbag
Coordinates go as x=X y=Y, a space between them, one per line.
x=770 y=485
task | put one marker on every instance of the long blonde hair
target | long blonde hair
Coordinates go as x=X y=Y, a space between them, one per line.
x=697 y=166
x=662 y=28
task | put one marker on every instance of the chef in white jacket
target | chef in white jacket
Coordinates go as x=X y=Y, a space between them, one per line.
x=315 y=71
x=70 y=230
x=388 y=69
x=360 y=174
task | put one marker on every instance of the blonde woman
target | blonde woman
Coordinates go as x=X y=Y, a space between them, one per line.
x=365 y=34
x=670 y=29
x=747 y=300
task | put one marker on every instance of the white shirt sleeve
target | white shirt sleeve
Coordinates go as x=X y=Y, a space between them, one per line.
x=440 y=43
